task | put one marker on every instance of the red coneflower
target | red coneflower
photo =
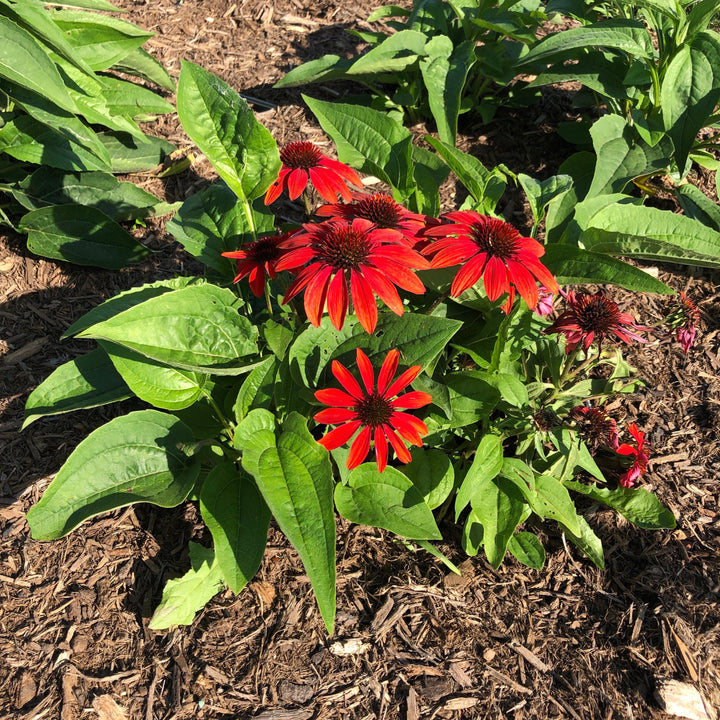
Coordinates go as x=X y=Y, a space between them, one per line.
x=639 y=457
x=591 y=317
x=381 y=210
x=373 y=411
x=489 y=248
x=684 y=320
x=355 y=255
x=595 y=426
x=303 y=161
x=258 y=259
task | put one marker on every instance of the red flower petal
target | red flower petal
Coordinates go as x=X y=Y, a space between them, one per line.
x=468 y=275
x=403 y=381
x=412 y=400
x=495 y=278
x=345 y=378
x=333 y=416
x=387 y=371
x=363 y=301
x=337 y=299
x=335 y=397
x=359 y=449
x=403 y=454
x=297 y=182
x=315 y=294
x=366 y=371
x=339 y=436
x=381 y=448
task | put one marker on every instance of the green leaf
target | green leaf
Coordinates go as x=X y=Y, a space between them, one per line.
x=25 y=62
x=472 y=397
x=143 y=65
x=629 y=36
x=646 y=232
x=473 y=533
x=429 y=173
x=527 y=549
x=386 y=500
x=444 y=71
x=161 y=386
x=257 y=389
x=278 y=337
x=195 y=328
x=254 y=435
x=130 y=154
x=512 y=389
x=689 y=92
x=574 y=266
x=138 y=457
x=431 y=472
x=622 y=156
x=182 y=598
x=698 y=206
x=393 y=55
x=224 y=127
x=368 y=140
x=238 y=519
x=587 y=541
x=87 y=381
x=100 y=190
x=541 y=192
x=82 y=235
x=212 y=222
x=444 y=559
x=132 y=100
x=295 y=478
x=100 y=40
x=328 y=67
x=486 y=465
x=553 y=501
x=640 y=507
x=499 y=507
x=418 y=338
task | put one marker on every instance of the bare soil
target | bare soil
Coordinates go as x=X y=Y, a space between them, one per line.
x=412 y=641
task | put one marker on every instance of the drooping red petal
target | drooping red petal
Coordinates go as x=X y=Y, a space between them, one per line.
x=335 y=397
x=363 y=301
x=339 y=436
x=347 y=380
x=315 y=294
x=524 y=282
x=403 y=454
x=384 y=289
x=366 y=370
x=297 y=182
x=276 y=189
x=495 y=277
x=257 y=281
x=468 y=275
x=387 y=371
x=359 y=449
x=345 y=171
x=399 y=274
x=299 y=283
x=381 y=448
x=403 y=381
x=337 y=299
x=410 y=428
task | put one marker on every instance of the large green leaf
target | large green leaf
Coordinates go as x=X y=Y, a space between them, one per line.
x=586 y=539
x=419 y=338
x=212 y=222
x=552 y=500
x=368 y=140
x=100 y=40
x=294 y=476
x=87 y=381
x=195 y=328
x=258 y=389
x=129 y=154
x=472 y=398
x=143 y=65
x=163 y=387
x=646 y=232
x=25 y=62
x=238 y=519
x=444 y=72
x=640 y=507
x=132 y=100
x=134 y=458
x=527 y=549
x=432 y=473
x=623 y=156
x=222 y=125
x=100 y=190
x=394 y=54
x=486 y=465
x=573 y=266
x=82 y=235
x=689 y=92
x=698 y=205
x=386 y=500
x=328 y=67
x=183 y=597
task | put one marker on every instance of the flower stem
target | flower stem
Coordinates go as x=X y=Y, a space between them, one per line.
x=438 y=302
x=268 y=301
x=308 y=206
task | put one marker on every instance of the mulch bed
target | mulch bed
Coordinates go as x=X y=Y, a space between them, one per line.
x=411 y=640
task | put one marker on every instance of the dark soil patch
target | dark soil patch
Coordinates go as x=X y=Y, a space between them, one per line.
x=411 y=640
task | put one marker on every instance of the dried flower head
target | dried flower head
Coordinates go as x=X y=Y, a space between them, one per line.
x=595 y=426
x=683 y=319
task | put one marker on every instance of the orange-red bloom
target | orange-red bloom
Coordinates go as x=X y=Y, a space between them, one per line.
x=381 y=210
x=593 y=317
x=303 y=161
x=258 y=259
x=374 y=410
x=492 y=249
x=350 y=260
x=639 y=457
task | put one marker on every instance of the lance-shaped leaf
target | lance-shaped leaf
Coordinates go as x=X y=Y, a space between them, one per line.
x=552 y=500
x=238 y=519
x=87 y=381
x=222 y=125
x=294 y=475
x=394 y=54
x=139 y=457
x=486 y=465
x=196 y=328
x=586 y=539
x=183 y=597
x=527 y=549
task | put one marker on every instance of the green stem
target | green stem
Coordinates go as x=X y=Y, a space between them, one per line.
x=268 y=301
x=220 y=415
x=440 y=300
x=308 y=205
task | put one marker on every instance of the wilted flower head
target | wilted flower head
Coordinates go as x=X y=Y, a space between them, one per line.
x=639 y=456
x=546 y=301
x=303 y=161
x=595 y=427
x=381 y=210
x=350 y=260
x=593 y=317
x=375 y=410
x=256 y=260
x=684 y=319
x=492 y=249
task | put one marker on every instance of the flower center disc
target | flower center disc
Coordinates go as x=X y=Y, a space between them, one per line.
x=265 y=251
x=374 y=410
x=596 y=314
x=301 y=154
x=379 y=209
x=495 y=238
x=344 y=247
